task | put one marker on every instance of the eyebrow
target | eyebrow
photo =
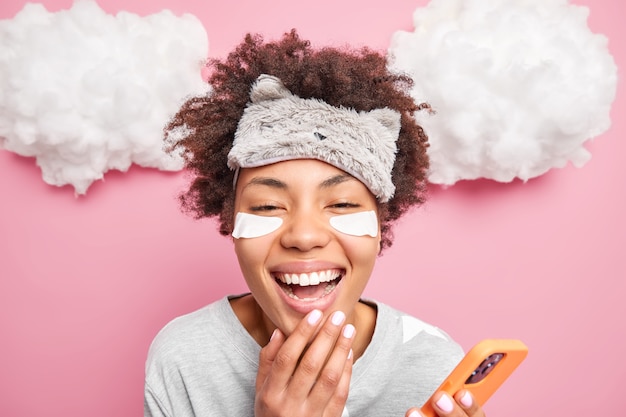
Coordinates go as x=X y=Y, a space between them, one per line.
x=268 y=182
x=278 y=184
x=335 y=180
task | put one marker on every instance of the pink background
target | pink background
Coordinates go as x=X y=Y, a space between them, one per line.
x=85 y=283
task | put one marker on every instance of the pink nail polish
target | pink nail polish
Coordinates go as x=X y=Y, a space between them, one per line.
x=348 y=331
x=466 y=399
x=314 y=317
x=338 y=318
x=273 y=334
x=445 y=404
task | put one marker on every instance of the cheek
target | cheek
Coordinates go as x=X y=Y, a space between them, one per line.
x=251 y=254
x=253 y=243
x=362 y=252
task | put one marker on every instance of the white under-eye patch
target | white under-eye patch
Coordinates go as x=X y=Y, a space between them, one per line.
x=251 y=226
x=356 y=224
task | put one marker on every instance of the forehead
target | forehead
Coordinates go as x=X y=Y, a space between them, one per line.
x=297 y=173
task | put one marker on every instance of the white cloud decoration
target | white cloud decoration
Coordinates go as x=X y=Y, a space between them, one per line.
x=517 y=86
x=85 y=92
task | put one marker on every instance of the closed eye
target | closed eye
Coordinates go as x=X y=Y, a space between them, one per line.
x=264 y=208
x=345 y=205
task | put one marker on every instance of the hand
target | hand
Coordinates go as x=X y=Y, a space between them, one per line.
x=462 y=405
x=296 y=378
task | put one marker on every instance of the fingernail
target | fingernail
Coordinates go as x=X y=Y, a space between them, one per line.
x=415 y=414
x=350 y=354
x=466 y=399
x=348 y=331
x=274 y=333
x=314 y=317
x=338 y=318
x=445 y=404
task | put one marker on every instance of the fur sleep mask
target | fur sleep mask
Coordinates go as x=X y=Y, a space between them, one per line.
x=279 y=126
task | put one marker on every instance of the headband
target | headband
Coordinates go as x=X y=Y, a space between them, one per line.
x=279 y=126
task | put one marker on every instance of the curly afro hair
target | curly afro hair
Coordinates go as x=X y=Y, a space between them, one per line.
x=204 y=127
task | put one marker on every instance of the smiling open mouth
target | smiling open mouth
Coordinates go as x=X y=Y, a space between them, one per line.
x=311 y=286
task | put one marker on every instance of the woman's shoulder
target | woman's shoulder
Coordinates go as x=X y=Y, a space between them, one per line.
x=415 y=333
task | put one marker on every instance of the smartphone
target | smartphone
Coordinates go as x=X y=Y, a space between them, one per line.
x=483 y=369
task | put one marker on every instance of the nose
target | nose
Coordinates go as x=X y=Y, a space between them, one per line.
x=305 y=231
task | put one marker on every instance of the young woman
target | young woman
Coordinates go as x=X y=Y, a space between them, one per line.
x=306 y=157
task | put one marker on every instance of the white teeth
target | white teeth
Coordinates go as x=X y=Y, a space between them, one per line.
x=314 y=278
x=304 y=280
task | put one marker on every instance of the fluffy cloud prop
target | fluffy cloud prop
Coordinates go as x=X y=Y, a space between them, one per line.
x=84 y=92
x=517 y=86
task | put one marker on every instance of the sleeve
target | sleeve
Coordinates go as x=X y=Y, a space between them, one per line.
x=152 y=406
x=157 y=398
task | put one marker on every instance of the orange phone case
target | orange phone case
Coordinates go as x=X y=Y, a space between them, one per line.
x=493 y=360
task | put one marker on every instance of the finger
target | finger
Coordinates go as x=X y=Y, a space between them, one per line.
x=413 y=412
x=331 y=382
x=316 y=356
x=339 y=397
x=286 y=359
x=447 y=406
x=466 y=402
x=266 y=358
x=444 y=405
